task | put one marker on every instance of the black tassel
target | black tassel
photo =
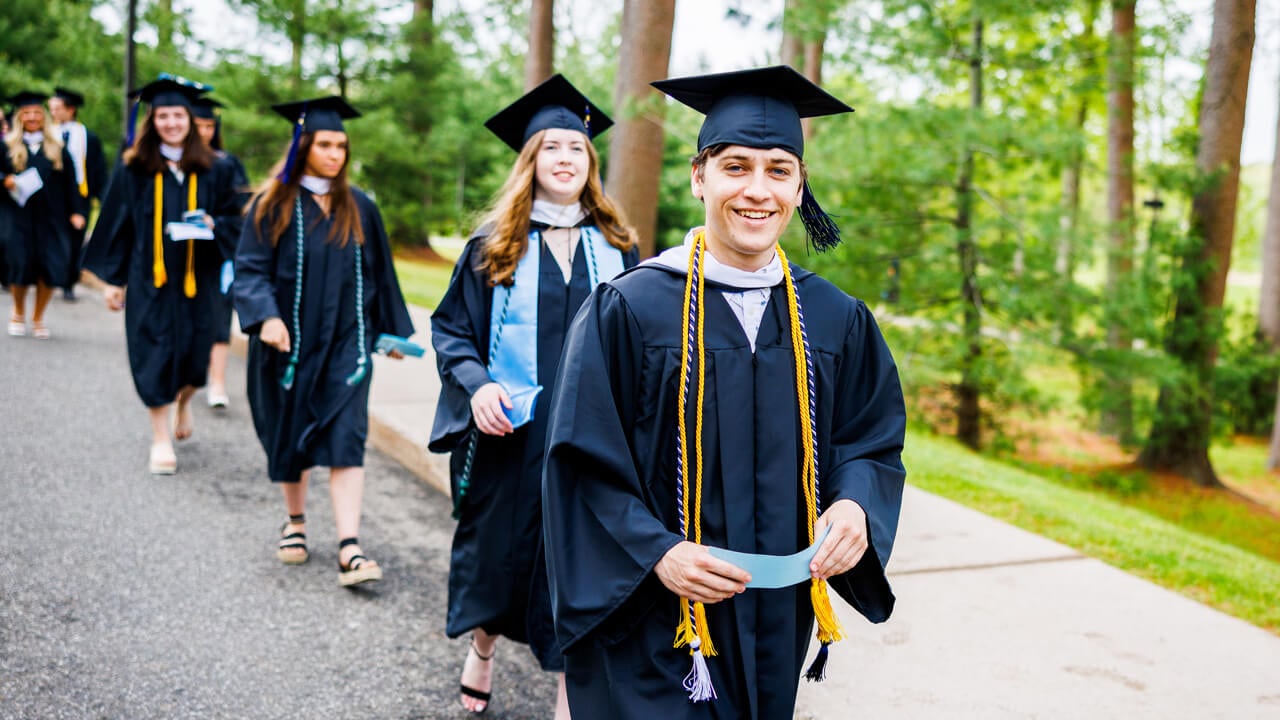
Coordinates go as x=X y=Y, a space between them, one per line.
x=817 y=672
x=291 y=159
x=133 y=123
x=821 y=230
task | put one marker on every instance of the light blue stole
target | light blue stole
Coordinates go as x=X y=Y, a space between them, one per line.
x=513 y=321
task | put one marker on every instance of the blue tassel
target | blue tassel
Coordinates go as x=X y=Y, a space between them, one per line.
x=292 y=158
x=817 y=672
x=287 y=381
x=821 y=230
x=358 y=375
x=133 y=123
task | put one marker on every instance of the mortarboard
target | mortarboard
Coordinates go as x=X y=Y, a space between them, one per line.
x=326 y=113
x=70 y=97
x=27 y=97
x=165 y=91
x=761 y=108
x=203 y=107
x=555 y=103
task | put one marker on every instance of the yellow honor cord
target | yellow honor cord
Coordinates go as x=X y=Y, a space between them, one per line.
x=189 y=283
x=829 y=629
x=84 y=188
x=159 y=276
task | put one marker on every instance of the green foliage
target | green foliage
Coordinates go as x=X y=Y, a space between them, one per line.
x=1244 y=381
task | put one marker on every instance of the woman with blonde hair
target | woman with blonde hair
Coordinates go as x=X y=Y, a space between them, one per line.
x=550 y=237
x=140 y=248
x=314 y=288
x=42 y=215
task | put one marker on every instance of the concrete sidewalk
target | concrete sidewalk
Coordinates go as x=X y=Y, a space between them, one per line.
x=991 y=621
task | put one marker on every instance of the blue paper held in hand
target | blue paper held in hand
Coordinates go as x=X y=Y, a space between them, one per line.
x=773 y=571
x=386 y=343
x=227 y=276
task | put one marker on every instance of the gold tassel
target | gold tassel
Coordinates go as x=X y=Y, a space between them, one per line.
x=159 y=276
x=829 y=629
x=704 y=632
x=684 y=631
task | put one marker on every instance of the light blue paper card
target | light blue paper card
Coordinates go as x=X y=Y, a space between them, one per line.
x=773 y=571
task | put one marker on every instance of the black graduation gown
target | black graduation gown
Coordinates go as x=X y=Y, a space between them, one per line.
x=7 y=221
x=609 y=495
x=321 y=420
x=230 y=226
x=169 y=334
x=95 y=176
x=497 y=579
x=39 y=247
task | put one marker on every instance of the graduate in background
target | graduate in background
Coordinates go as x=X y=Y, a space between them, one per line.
x=720 y=396
x=166 y=174
x=90 y=165
x=6 y=221
x=41 y=224
x=550 y=237
x=314 y=288
x=209 y=124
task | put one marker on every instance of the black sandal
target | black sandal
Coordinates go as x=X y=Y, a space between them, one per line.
x=286 y=551
x=472 y=692
x=359 y=569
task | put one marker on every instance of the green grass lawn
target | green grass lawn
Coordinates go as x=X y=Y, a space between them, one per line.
x=1186 y=555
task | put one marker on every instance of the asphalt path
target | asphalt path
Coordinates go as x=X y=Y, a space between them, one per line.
x=126 y=595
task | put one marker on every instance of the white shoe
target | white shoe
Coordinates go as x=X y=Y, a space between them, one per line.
x=217 y=401
x=17 y=328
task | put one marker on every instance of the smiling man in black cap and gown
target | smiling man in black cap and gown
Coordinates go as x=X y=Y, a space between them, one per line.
x=90 y=166
x=719 y=397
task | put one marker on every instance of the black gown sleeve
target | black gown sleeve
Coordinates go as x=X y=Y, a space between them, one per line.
x=460 y=338
x=95 y=166
x=254 y=289
x=230 y=196
x=602 y=539
x=110 y=248
x=867 y=431
x=391 y=314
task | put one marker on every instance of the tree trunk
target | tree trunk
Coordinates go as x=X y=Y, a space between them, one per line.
x=130 y=62
x=1180 y=434
x=635 y=152
x=297 y=36
x=792 y=43
x=539 y=63
x=1269 y=293
x=1117 y=417
x=813 y=69
x=1065 y=263
x=969 y=390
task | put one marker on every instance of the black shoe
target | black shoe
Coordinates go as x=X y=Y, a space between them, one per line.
x=69 y=295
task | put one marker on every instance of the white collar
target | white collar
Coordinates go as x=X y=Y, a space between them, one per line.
x=33 y=138
x=549 y=213
x=317 y=185
x=171 y=153
x=677 y=258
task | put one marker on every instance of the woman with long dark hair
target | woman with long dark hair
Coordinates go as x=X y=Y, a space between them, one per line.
x=163 y=284
x=550 y=237
x=314 y=288
x=39 y=237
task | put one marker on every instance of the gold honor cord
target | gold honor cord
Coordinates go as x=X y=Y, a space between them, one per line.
x=692 y=629
x=159 y=275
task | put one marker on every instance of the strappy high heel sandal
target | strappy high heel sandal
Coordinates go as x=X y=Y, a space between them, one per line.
x=472 y=692
x=359 y=569
x=292 y=549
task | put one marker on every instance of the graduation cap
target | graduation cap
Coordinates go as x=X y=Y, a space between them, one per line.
x=70 y=97
x=203 y=107
x=555 y=104
x=761 y=108
x=165 y=91
x=26 y=97
x=326 y=113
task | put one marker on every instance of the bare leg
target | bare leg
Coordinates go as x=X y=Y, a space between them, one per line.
x=562 y=698
x=295 y=503
x=346 y=490
x=185 y=424
x=477 y=669
x=218 y=371
x=44 y=294
x=19 y=293
x=162 y=455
